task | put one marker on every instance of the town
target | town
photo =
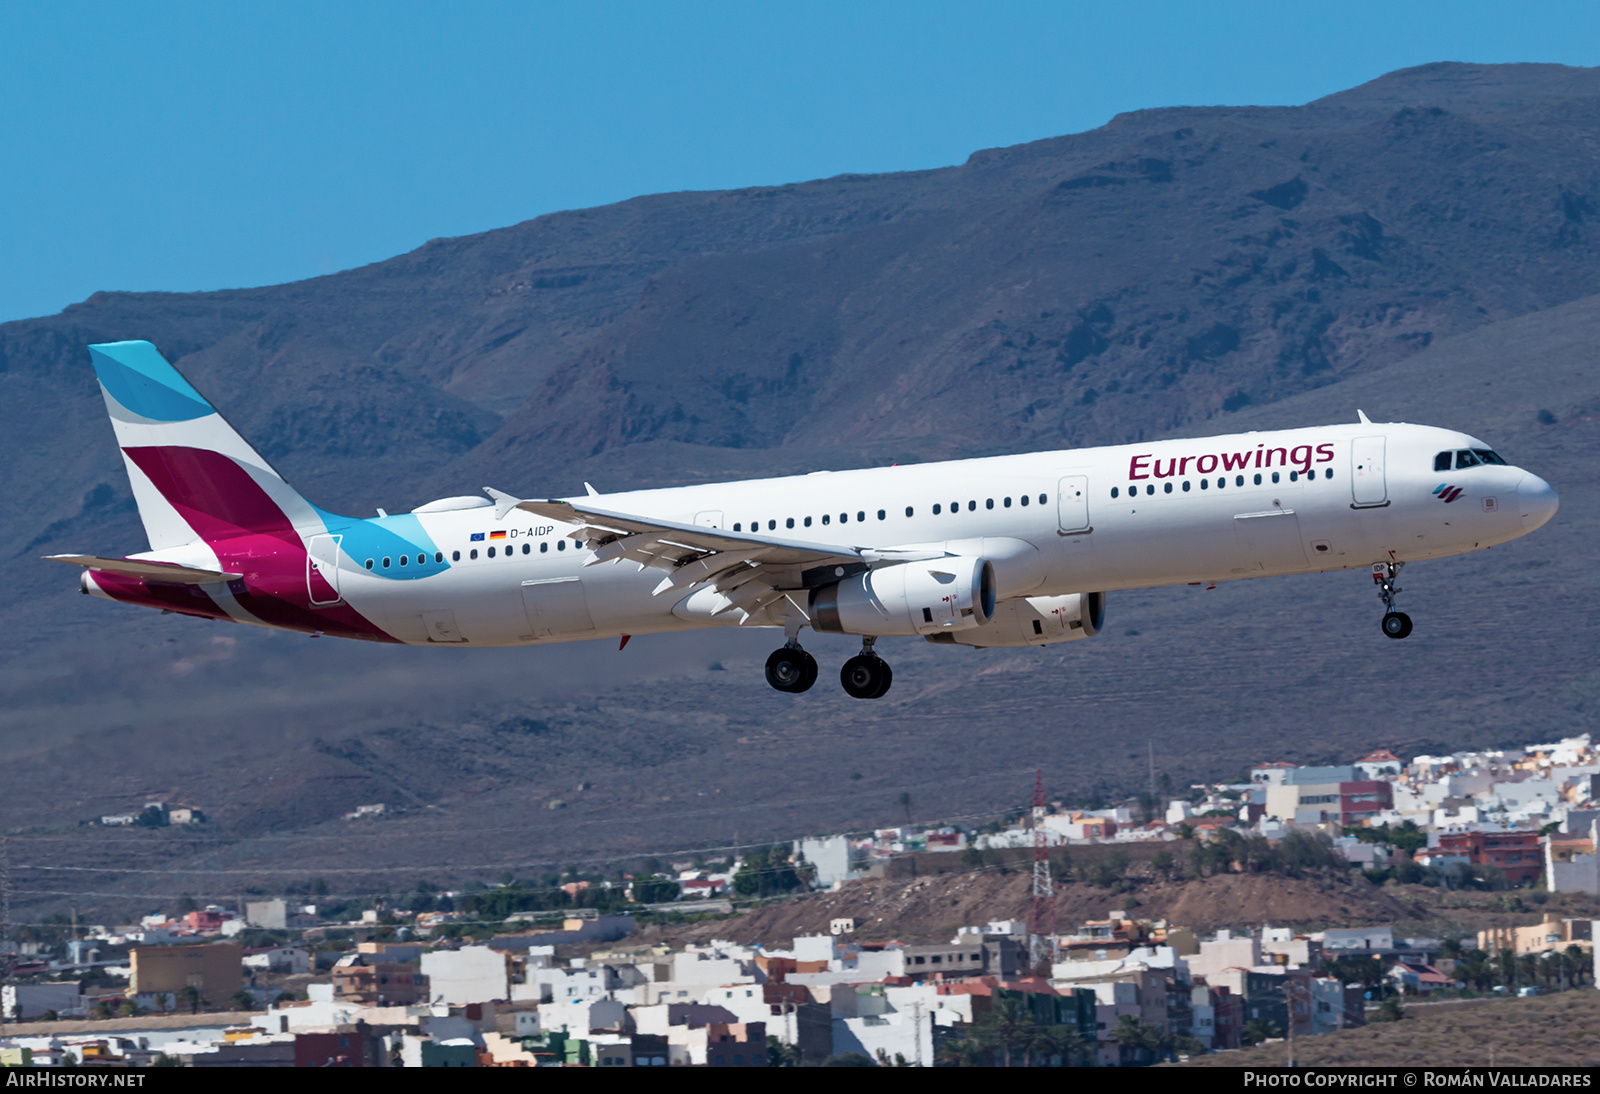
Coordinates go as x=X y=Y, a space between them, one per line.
x=587 y=970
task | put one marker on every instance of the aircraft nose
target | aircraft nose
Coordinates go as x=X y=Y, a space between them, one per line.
x=1536 y=502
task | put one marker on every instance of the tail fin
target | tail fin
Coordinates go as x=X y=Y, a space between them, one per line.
x=193 y=476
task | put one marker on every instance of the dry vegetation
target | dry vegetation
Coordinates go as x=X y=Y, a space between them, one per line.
x=930 y=908
x=1561 y=1030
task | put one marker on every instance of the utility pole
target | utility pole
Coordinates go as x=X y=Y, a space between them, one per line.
x=1043 y=925
x=916 y=1029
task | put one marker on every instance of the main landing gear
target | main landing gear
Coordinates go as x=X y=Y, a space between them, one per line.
x=791 y=668
x=864 y=676
x=1395 y=624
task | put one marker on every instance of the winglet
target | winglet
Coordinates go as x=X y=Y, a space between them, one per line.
x=593 y=493
x=1362 y=414
x=503 y=502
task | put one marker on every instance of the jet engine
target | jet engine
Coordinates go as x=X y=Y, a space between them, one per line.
x=1035 y=621
x=930 y=597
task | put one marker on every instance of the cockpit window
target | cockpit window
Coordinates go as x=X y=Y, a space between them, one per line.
x=1465 y=458
x=1488 y=457
x=1441 y=462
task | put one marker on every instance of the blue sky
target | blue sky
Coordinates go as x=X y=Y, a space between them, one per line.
x=186 y=147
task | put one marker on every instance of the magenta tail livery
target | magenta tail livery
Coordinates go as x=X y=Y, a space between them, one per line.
x=1003 y=551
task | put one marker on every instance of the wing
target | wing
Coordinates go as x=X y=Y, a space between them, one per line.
x=153 y=571
x=748 y=570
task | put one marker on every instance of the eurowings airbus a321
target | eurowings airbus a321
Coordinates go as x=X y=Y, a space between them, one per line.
x=1001 y=551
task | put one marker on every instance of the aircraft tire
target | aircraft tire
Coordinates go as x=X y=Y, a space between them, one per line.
x=888 y=678
x=811 y=674
x=788 y=670
x=1396 y=624
x=864 y=677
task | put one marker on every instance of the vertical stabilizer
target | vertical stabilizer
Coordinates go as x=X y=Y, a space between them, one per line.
x=193 y=476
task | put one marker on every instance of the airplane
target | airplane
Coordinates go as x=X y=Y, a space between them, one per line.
x=1003 y=551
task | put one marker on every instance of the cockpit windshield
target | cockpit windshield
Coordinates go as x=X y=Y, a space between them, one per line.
x=1466 y=457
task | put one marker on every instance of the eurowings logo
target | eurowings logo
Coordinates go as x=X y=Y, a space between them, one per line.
x=1447 y=493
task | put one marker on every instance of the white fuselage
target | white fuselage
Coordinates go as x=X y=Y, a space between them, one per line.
x=1071 y=521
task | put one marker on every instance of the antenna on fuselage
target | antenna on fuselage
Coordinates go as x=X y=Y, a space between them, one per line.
x=1362 y=414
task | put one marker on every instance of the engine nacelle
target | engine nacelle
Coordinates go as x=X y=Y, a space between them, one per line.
x=935 y=596
x=1036 y=621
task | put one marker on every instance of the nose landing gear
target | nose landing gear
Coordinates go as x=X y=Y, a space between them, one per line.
x=866 y=675
x=1395 y=624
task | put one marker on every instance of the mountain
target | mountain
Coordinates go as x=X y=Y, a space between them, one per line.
x=1423 y=246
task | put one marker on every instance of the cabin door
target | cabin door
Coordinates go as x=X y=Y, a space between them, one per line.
x=1072 y=505
x=1368 y=487
x=322 y=569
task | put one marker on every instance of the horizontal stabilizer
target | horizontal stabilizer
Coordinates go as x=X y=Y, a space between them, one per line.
x=146 y=568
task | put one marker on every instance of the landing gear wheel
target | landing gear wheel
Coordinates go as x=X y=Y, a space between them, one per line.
x=1396 y=624
x=811 y=674
x=865 y=676
x=888 y=678
x=791 y=669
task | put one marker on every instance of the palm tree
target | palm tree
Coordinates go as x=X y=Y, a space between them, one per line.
x=191 y=995
x=1063 y=1041
x=1008 y=1025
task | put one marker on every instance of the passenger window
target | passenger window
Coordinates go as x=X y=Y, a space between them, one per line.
x=1293 y=475
x=883 y=515
x=1113 y=491
x=385 y=562
x=935 y=508
x=1258 y=478
x=824 y=519
x=808 y=522
x=1167 y=487
x=527 y=548
x=1041 y=499
x=1441 y=462
x=491 y=552
x=1222 y=482
x=1149 y=489
x=736 y=527
x=1185 y=486
x=844 y=518
x=1328 y=474
x=1024 y=499
x=1205 y=484
x=862 y=515
x=1274 y=476
x=972 y=506
x=404 y=559
x=1238 y=480
x=789 y=523
x=455 y=556
x=544 y=547
x=474 y=553
x=369 y=561
x=1007 y=503
x=955 y=507
x=438 y=556
x=561 y=545
x=910 y=511
x=772 y=525
x=988 y=503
